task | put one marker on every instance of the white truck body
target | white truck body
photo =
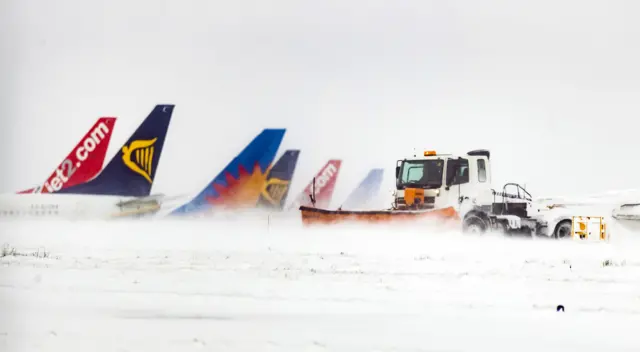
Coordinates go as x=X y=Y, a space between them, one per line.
x=465 y=182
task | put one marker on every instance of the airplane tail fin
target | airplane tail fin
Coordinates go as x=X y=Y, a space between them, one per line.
x=276 y=188
x=84 y=161
x=131 y=172
x=325 y=182
x=239 y=184
x=365 y=192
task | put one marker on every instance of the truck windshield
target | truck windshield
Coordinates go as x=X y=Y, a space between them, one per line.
x=420 y=173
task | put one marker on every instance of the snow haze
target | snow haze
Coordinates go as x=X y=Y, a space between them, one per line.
x=244 y=286
x=548 y=86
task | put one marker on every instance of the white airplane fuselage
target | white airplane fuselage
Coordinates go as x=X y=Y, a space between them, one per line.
x=65 y=206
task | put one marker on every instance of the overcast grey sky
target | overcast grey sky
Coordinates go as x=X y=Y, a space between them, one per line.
x=551 y=87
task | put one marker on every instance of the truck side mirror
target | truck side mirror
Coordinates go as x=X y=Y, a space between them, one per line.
x=397 y=171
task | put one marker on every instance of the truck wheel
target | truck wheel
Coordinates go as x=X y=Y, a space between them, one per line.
x=562 y=230
x=474 y=224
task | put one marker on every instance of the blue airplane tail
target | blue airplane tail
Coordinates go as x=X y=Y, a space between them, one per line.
x=130 y=173
x=239 y=184
x=365 y=192
x=276 y=188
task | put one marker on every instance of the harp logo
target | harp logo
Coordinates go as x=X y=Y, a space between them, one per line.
x=274 y=190
x=138 y=157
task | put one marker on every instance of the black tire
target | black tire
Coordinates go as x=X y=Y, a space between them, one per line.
x=562 y=231
x=474 y=224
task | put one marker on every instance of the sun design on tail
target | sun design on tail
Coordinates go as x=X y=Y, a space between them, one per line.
x=239 y=192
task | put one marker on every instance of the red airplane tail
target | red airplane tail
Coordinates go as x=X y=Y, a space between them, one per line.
x=322 y=191
x=84 y=161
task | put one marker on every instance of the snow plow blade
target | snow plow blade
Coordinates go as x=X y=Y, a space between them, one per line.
x=312 y=216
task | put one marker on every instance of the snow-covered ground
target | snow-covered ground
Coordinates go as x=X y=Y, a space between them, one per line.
x=244 y=286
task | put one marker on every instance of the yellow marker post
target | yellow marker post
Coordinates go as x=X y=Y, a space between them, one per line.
x=589 y=228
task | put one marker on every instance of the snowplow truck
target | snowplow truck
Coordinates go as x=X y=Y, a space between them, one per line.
x=435 y=181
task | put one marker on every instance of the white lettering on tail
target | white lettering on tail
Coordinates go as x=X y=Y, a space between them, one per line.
x=92 y=141
x=68 y=168
x=324 y=177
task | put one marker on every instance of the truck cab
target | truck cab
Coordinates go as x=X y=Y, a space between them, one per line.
x=434 y=180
